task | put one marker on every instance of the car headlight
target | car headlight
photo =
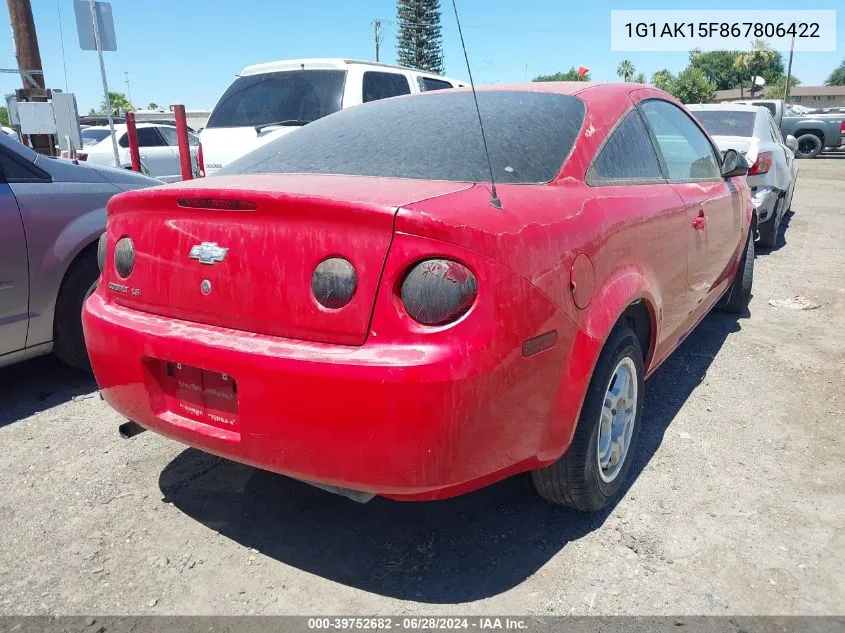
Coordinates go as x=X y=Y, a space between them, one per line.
x=438 y=291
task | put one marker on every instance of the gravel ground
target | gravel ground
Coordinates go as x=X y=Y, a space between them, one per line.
x=736 y=504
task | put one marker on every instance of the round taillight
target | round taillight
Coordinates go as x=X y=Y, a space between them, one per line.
x=334 y=282
x=438 y=291
x=124 y=257
x=101 y=252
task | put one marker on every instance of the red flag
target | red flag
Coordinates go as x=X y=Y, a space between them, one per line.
x=582 y=71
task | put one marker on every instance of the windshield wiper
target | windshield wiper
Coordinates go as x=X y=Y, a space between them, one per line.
x=291 y=122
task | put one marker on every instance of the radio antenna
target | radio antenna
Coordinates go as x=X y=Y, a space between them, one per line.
x=495 y=199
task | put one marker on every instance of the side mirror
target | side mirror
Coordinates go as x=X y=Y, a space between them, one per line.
x=734 y=164
x=792 y=143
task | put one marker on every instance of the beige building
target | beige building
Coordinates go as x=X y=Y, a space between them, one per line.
x=807 y=96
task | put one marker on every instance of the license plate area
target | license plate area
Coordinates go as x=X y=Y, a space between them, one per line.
x=199 y=394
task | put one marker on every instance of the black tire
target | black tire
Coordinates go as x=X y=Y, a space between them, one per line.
x=574 y=479
x=769 y=229
x=736 y=299
x=79 y=282
x=809 y=146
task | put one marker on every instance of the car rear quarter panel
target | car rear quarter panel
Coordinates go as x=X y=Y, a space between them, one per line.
x=60 y=220
x=542 y=228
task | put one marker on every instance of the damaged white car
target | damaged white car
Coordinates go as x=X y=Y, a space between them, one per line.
x=774 y=170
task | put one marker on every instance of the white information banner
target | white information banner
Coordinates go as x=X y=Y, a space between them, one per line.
x=651 y=30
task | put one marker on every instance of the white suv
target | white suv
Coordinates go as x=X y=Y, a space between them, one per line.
x=269 y=100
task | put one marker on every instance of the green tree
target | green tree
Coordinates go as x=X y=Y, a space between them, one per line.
x=119 y=103
x=718 y=67
x=691 y=86
x=625 y=69
x=569 y=75
x=152 y=105
x=4 y=115
x=837 y=77
x=640 y=78
x=761 y=61
x=775 y=89
x=663 y=79
x=419 y=42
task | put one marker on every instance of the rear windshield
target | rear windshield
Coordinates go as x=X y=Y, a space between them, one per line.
x=433 y=137
x=296 y=95
x=726 y=122
x=92 y=137
x=769 y=106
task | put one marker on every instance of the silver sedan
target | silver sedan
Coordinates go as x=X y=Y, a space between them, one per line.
x=52 y=212
x=774 y=170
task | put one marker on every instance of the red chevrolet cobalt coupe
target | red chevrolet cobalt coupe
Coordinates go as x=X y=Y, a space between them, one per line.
x=355 y=306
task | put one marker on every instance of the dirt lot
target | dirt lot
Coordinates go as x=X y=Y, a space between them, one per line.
x=737 y=504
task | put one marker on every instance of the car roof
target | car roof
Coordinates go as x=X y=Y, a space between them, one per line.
x=327 y=63
x=726 y=107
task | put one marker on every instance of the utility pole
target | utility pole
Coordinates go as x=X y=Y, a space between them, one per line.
x=789 y=72
x=29 y=59
x=378 y=34
x=128 y=91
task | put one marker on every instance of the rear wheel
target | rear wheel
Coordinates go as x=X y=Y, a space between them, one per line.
x=769 y=229
x=591 y=473
x=736 y=299
x=79 y=283
x=809 y=146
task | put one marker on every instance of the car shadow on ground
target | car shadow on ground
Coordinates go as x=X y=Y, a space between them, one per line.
x=780 y=239
x=39 y=384
x=457 y=550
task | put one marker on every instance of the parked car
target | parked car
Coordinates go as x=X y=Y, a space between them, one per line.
x=8 y=131
x=269 y=100
x=752 y=131
x=360 y=308
x=51 y=214
x=158 y=144
x=814 y=132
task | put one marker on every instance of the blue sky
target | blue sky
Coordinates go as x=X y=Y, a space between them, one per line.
x=188 y=50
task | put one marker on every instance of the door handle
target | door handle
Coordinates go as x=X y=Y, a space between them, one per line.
x=700 y=222
x=142 y=155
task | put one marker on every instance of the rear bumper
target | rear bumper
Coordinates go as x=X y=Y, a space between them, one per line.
x=419 y=421
x=765 y=201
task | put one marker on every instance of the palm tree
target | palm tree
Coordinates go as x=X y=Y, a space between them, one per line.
x=755 y=61
x=625 y=69
x=640 y=78
x=837 y=77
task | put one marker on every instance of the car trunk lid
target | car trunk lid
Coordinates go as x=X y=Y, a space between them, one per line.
x=240 y=251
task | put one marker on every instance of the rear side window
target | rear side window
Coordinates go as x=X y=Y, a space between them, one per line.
x=427 y=83
x=628 y=155
x=267 y=98
x=432 y=136
x=149 y=137
x=13 y=169
x=379 y=85
x=687 y=152
x=169 y=135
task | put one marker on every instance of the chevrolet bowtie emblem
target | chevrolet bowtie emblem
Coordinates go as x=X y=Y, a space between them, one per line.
x=208 y=253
